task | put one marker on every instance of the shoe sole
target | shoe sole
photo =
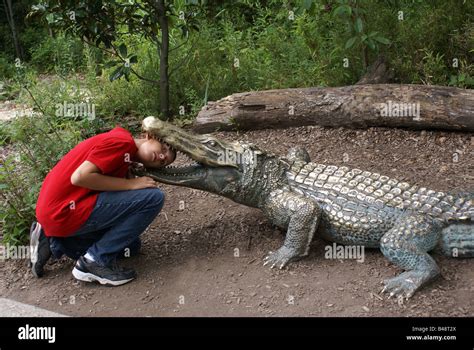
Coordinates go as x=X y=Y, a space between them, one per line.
x=89 y=277
x=34 y=246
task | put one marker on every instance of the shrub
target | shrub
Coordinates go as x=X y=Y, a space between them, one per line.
x=37 y=147
x=61 y=54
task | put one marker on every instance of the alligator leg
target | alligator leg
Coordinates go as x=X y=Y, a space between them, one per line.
x=407 y=245
x=297 y=213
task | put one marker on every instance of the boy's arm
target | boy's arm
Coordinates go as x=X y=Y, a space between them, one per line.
x=88 y=175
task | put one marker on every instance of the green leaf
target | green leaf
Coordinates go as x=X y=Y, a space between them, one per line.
x=340 y=10
x=382 y=40
x=39 y=7
x=126 y=73
x=50 y=18
x=371 y=43
x=359 y=25
x=122 y=50
x=116 y=74
x=350 y=42
x=307 y=4
x=110 y=64
x=469 y=81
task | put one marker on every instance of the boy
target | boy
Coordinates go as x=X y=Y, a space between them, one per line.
x=88 y=210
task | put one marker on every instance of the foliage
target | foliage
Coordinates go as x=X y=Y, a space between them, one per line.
x=37 y=147
x=216 y=48
x=61 y=55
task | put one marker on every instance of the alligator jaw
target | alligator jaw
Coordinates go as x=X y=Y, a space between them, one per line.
x=219 y=180
x=215 y=163
x=204 y=149
x=183 y=175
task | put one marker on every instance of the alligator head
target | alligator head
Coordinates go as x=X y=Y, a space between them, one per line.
x=216 y=166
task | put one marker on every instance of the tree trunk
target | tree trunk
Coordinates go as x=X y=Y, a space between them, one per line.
x=164 y=51
x=11 y=23
x=356 y=106
x=377 y=73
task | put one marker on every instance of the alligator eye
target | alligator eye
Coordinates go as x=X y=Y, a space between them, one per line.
x=211 y=143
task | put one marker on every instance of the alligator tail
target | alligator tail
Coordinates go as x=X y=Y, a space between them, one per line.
x=459 y=207
x=458 y=236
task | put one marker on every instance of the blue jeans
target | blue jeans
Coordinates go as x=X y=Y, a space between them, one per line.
x=115 y=224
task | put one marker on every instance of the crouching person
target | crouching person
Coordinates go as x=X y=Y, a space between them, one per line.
x=90 y=211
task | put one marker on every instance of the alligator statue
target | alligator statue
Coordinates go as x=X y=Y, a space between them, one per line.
x=342 y=205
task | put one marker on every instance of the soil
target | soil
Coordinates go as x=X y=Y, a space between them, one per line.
x=206 y=259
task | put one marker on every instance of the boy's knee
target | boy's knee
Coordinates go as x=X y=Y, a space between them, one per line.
x=148 y=198
x=156 y=197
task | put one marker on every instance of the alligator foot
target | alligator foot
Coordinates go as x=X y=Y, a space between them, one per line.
x=405 y=284
x=300 y=215
x=280 y=258
x=406 y=245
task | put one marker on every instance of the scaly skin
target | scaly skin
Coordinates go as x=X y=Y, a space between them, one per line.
x=342 y=205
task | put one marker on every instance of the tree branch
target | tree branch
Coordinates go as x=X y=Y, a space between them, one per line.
x=179 y=65
x=114 y=53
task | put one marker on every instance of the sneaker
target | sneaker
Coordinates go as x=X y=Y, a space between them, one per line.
x=90 y=271
x=39 y=249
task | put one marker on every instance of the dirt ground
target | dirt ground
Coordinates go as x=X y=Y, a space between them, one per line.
x=206 y=259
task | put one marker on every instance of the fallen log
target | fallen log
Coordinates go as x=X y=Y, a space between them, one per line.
x=355 y=106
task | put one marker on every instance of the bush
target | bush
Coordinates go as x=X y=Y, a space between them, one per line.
x=38 y=146
x=61 y=54
x=8 y=86
x=7 y=68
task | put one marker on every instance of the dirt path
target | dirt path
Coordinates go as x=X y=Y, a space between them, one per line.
x=10 y=110
x=206 y=260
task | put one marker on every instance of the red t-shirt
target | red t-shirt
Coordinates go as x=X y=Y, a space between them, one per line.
x=63 y=208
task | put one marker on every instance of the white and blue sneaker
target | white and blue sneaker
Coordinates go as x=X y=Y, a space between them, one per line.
x=39 y=249
x=113 y=275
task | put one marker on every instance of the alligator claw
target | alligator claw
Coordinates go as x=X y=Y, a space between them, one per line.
x=402 y=286
x=279 y=258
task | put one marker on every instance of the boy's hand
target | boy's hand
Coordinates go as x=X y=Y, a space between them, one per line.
x=135 y=169
x=88 y=175
x=141 y=182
